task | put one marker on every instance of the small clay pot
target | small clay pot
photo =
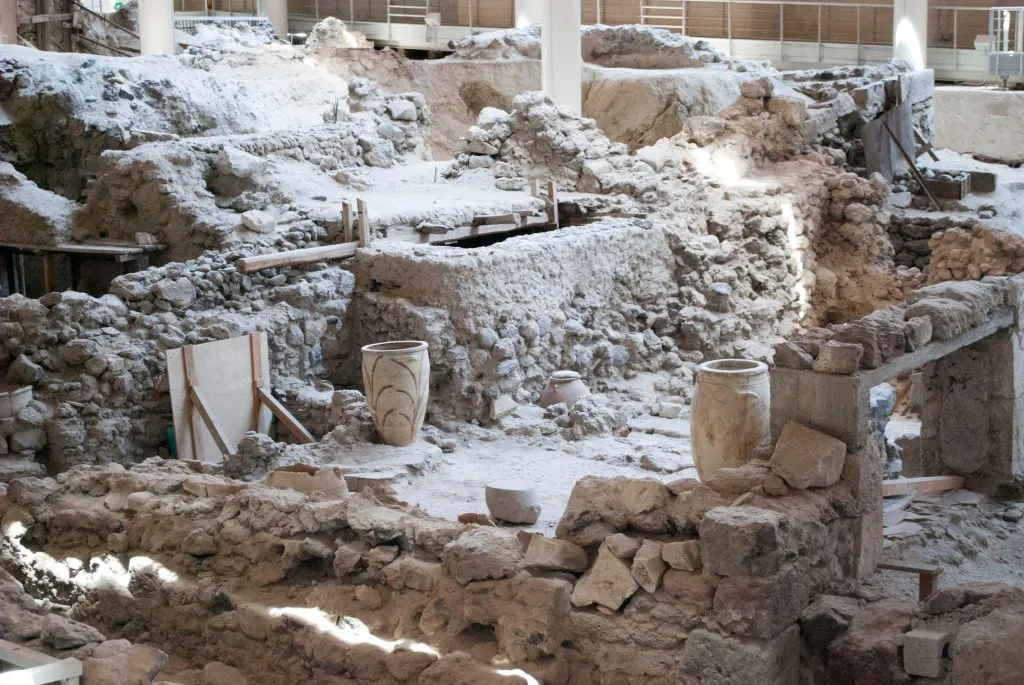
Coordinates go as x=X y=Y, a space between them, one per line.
x=564 y=387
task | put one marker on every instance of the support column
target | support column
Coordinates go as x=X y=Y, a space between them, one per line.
x=156 y=27
x=910 y=32
x=277 y=12
x=9 y=21
x=561 y=50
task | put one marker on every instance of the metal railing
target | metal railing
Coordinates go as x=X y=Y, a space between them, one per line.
x=673 y=14
x=1006 y=42
x=189 y=23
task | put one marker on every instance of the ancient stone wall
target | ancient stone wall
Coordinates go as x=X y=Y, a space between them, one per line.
x=690 y=581
x=97 y=365
x=500 y=319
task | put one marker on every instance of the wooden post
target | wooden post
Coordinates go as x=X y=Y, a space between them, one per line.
x=47 y=258
x=255 y=356
x=553 y=206
x=346 y=222
x=364 y=224
x=188 y=358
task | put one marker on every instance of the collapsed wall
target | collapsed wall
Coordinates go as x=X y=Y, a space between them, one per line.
x=202 y=193
x=63 y=110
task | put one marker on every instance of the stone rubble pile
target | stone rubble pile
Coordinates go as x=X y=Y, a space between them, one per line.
x=32 y=216
x=680 y=574
x=936 y=312
x=974 y=252
x=960 y=634
x=41 y=628
x=911 y=239
x=212 y=193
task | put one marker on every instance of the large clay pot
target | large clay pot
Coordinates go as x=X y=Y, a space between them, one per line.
x=396 y=378
x=563 y=387
x=729 y=418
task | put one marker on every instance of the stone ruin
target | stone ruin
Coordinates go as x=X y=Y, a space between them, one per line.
x=741 y=230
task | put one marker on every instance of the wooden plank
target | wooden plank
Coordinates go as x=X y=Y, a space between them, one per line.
x=306 y=255
x=897 y=366
x=363 y=220
x=926 y=147
x=66 y=672
x=256 y=354
x=23 y=657
x=45 y=18
x=464 y=232
x=904 y=486
x=302 y=435
x=927 y=575
x=510 y=218
x=203 y=409
x=909 y=567
x=188 y=363
x=223 y=373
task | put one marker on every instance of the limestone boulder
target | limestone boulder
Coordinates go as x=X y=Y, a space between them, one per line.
x=63 y=633
x=119 y=661
x=609 y=582
x=735 y=481
x=838 y=358
x=648 y=566
x=458 y=668
x=762 y=607
x=482 y=553
x=684 y=555
x=216 y=673
x=547 y=554
x=712 y=659
x=987 y=651
x=692 y=589
x=743 y=541
x=806 y=458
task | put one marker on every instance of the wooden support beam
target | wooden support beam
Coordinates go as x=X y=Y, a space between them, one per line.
x=302 y=435
x=306 y=255
x=200 y=405
x=363 y=219
x=905 y=486
x=552 y=204
x=927 y=575
x=913 y=166
x=926 y=147
x=510 y=218
x=189 y=363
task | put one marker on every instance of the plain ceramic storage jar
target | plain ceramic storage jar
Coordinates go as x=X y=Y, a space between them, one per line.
x=564 y=387
x=396 y=380
x=730 y=416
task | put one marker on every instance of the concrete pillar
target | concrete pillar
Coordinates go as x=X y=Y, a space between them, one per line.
x=910 y=32
x=528 y=12
x=156 y=27
x=9 y=21
x=561 y=50
x=277 y=12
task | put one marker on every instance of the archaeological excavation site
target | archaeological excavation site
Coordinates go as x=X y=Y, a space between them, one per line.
x=511 y=342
